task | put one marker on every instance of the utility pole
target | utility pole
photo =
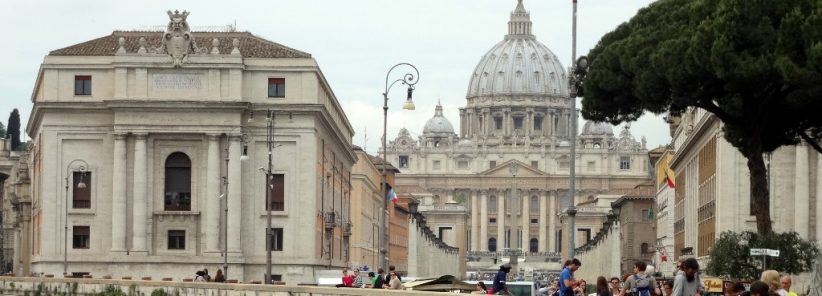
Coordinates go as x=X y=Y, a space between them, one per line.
x=572 y=211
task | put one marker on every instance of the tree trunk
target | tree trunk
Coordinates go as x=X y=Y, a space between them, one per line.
x=760 y=195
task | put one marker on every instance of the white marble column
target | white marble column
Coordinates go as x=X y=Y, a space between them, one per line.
x=501 y=220
x=552 y=221
x=483 y=232
x=212 y=202
x=118 y=194
x=475 y=221
x=801 y=192
x=543 y=217
x=818 y=197
x=234 y=195
x=138 y=241
x=526 y=219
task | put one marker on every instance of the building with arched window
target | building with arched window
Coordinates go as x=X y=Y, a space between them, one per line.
x=162 y=136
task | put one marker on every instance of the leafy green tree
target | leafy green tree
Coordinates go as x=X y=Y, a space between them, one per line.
x=14 y=129
x=754 y=64
x=730 y=255
x=2 y=130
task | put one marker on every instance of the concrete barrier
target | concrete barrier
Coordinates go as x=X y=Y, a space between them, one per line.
x=87 y=287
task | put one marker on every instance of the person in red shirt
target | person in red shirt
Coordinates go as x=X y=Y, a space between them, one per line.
x=347 y=280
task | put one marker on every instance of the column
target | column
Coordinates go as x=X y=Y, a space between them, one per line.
x=483 y=232
x=552 y=222
x=506 y=122
x=212 y=202
x=526 y=219
x=138 y=241
x=801 y=192
x=118 y=194
x=550 y=118
x=234 y=195
x=818 y=197
x=475 y=221
x=543 y=217
x=500 y=220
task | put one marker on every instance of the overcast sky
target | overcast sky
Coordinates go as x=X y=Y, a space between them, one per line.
x=355 y=43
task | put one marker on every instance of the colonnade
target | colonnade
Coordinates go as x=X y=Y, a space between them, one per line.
x=480 y=121
x=517 y=219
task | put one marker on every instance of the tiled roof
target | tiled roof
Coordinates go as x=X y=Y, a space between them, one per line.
x=251 y=46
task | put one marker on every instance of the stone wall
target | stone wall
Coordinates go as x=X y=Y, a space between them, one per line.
x=81 y=287
x=601 y=257
x=428 y=256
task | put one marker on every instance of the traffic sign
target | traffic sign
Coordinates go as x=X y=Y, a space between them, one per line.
x=758 y=252
x=772 y=253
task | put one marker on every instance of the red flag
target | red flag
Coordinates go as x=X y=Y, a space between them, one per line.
x=668 y=178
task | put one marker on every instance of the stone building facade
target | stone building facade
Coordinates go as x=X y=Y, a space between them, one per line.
x=164 y=130
x=517 y=114
x=712 y=193
x=366 y=211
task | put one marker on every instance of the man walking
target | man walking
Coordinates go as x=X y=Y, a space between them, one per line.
x=685 y=282
x=640 y=284
x=566 y=278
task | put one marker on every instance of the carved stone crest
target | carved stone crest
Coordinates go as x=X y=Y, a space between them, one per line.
x=177 y=40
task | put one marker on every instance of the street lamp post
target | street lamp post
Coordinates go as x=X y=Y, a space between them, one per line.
x=268 y=187
x=409 y=79
x=82 y=169
x=578 y=71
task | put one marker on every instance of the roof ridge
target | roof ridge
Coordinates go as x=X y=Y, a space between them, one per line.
x=278 y=44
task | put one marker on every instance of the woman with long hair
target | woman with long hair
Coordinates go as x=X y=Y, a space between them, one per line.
x=602 y=287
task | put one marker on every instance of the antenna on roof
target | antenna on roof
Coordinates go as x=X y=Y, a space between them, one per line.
x=365 y=139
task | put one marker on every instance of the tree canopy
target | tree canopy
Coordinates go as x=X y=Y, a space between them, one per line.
x=13 y=132
x=730 y=256
x=2 y=130
x=754 y=64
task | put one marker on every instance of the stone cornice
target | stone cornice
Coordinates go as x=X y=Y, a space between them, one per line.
x=691 y=142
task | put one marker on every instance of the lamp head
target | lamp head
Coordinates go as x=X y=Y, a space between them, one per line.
x=582 y=63
x=251 y=117
x=81 y=184
x=409 y=102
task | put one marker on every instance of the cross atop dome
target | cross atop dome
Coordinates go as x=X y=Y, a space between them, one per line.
x=520 y=24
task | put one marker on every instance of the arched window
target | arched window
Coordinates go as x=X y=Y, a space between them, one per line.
x=492 y=244
x=533 y=245
x=178 y=182
x=644 y=248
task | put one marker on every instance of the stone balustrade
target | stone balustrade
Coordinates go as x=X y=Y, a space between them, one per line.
x=10 y=285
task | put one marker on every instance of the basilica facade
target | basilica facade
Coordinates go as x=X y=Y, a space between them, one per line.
x=151 y=150
x=507 y=170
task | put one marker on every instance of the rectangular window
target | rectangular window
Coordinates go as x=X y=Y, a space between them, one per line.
x=436 y=164
x=592 y=166
x=498 y=122
x=277 y=193
x=275 y=242
x=518 y=122
x=624 y=163
x=276 y=87
x=534 y=221
x=535 y=164
x=81 y=237
x=82 y=85
x=462 y=164
x=81 y=193
x=176 y=239
x=537 y=123
x=492 y=164
x=492 y=220
x=403 y=161
x=564 y=163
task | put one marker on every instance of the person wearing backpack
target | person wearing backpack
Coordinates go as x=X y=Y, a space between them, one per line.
x=640 y=284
